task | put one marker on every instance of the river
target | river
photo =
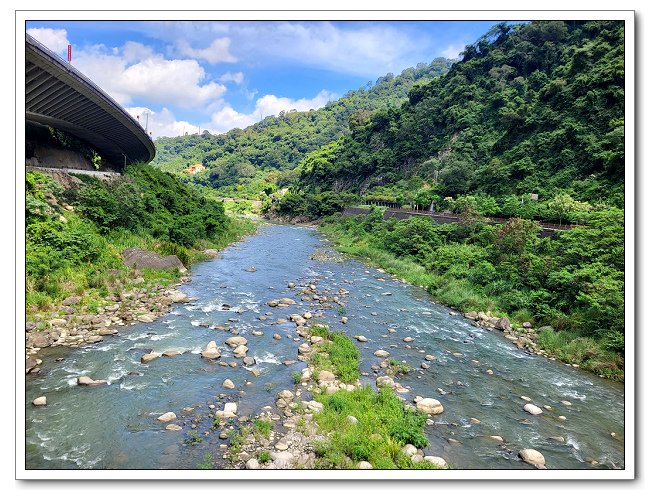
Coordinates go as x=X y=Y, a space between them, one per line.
x=476 y=374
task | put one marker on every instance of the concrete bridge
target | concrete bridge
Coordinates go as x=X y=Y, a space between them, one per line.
x=59 y=96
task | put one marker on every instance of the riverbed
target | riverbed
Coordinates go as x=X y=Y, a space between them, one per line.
x=481 y=379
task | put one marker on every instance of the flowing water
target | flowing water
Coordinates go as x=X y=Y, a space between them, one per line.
x=115 y=426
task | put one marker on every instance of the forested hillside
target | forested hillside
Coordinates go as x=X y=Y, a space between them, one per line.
x=279 y=143
x=532 y=108
x=529 y=125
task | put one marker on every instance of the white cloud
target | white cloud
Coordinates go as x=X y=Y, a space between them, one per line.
x=227 y=118
x=216 y=52
x=137 y=72
x=232 y=77
x=359 y=49
x=452 y=51
x=162 y=123
x=55 y=40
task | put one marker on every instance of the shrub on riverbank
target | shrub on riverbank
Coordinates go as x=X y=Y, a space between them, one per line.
x=573 y=283
x=74 y=236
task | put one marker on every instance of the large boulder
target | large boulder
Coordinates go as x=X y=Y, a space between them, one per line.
x=532 y=457
x=139 y=258
x=177 y=296
x=532 y=409
x=236 y=341
x=503 y=324
x=430 y=406
x=240 y=351
x=167 y=417
x=211 y=351
x=149 y=357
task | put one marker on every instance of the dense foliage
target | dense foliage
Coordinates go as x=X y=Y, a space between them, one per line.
x=531 y=108
x=74 y=250
x=279 y=143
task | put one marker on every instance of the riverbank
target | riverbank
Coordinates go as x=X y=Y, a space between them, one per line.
x=570 y=349
x=132 y=296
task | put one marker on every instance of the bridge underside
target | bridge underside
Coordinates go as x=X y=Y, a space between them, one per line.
x=59 y=96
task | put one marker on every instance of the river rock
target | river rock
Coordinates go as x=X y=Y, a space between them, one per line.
x=473 y=315
x=409 y=450
x=361 y=338
x=352 y=419
x=84 y=380
x=307 y=315
x=30 y=364
x=230 y=407
x=315 y=406
x=40 y=401
x=286 y=301
x=251 y=269
x=496 y=438
x=381 y=353
x=385 y=380
x=178 y=297
x=363 y=465
x=474 y=421
x=252 y=464
x=437 y=461
x=408 y=339
x=167 y=417
x=326 y=376
x=70 y=301
x=532 y=457
x=240 y=351
x=272 y=303
x=291 y=285
x=249 y=361
x=228 y=384
x=173 y=427
x=344 y=320
x=236 y=341
x=430 y=406
x=503 y=324
x=40 y=340
x=149 y=357
x=139 y=258
x=277 y=336
x=532 y=409
x=211 y=351
x=171 y=354
x=146 y=318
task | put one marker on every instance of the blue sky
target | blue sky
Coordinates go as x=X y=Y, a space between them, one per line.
x=184 y=76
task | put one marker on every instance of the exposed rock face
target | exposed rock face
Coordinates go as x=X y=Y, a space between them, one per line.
x=532 y=457
x=139 y=258
x=430 y=406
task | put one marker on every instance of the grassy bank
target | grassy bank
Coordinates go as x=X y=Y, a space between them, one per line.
x=571 y=286
x=75 y=235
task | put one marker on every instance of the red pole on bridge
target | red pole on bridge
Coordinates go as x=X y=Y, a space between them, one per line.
x=69 y=53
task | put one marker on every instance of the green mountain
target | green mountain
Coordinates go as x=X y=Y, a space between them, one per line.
x=279 y=143
x=531 y=108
